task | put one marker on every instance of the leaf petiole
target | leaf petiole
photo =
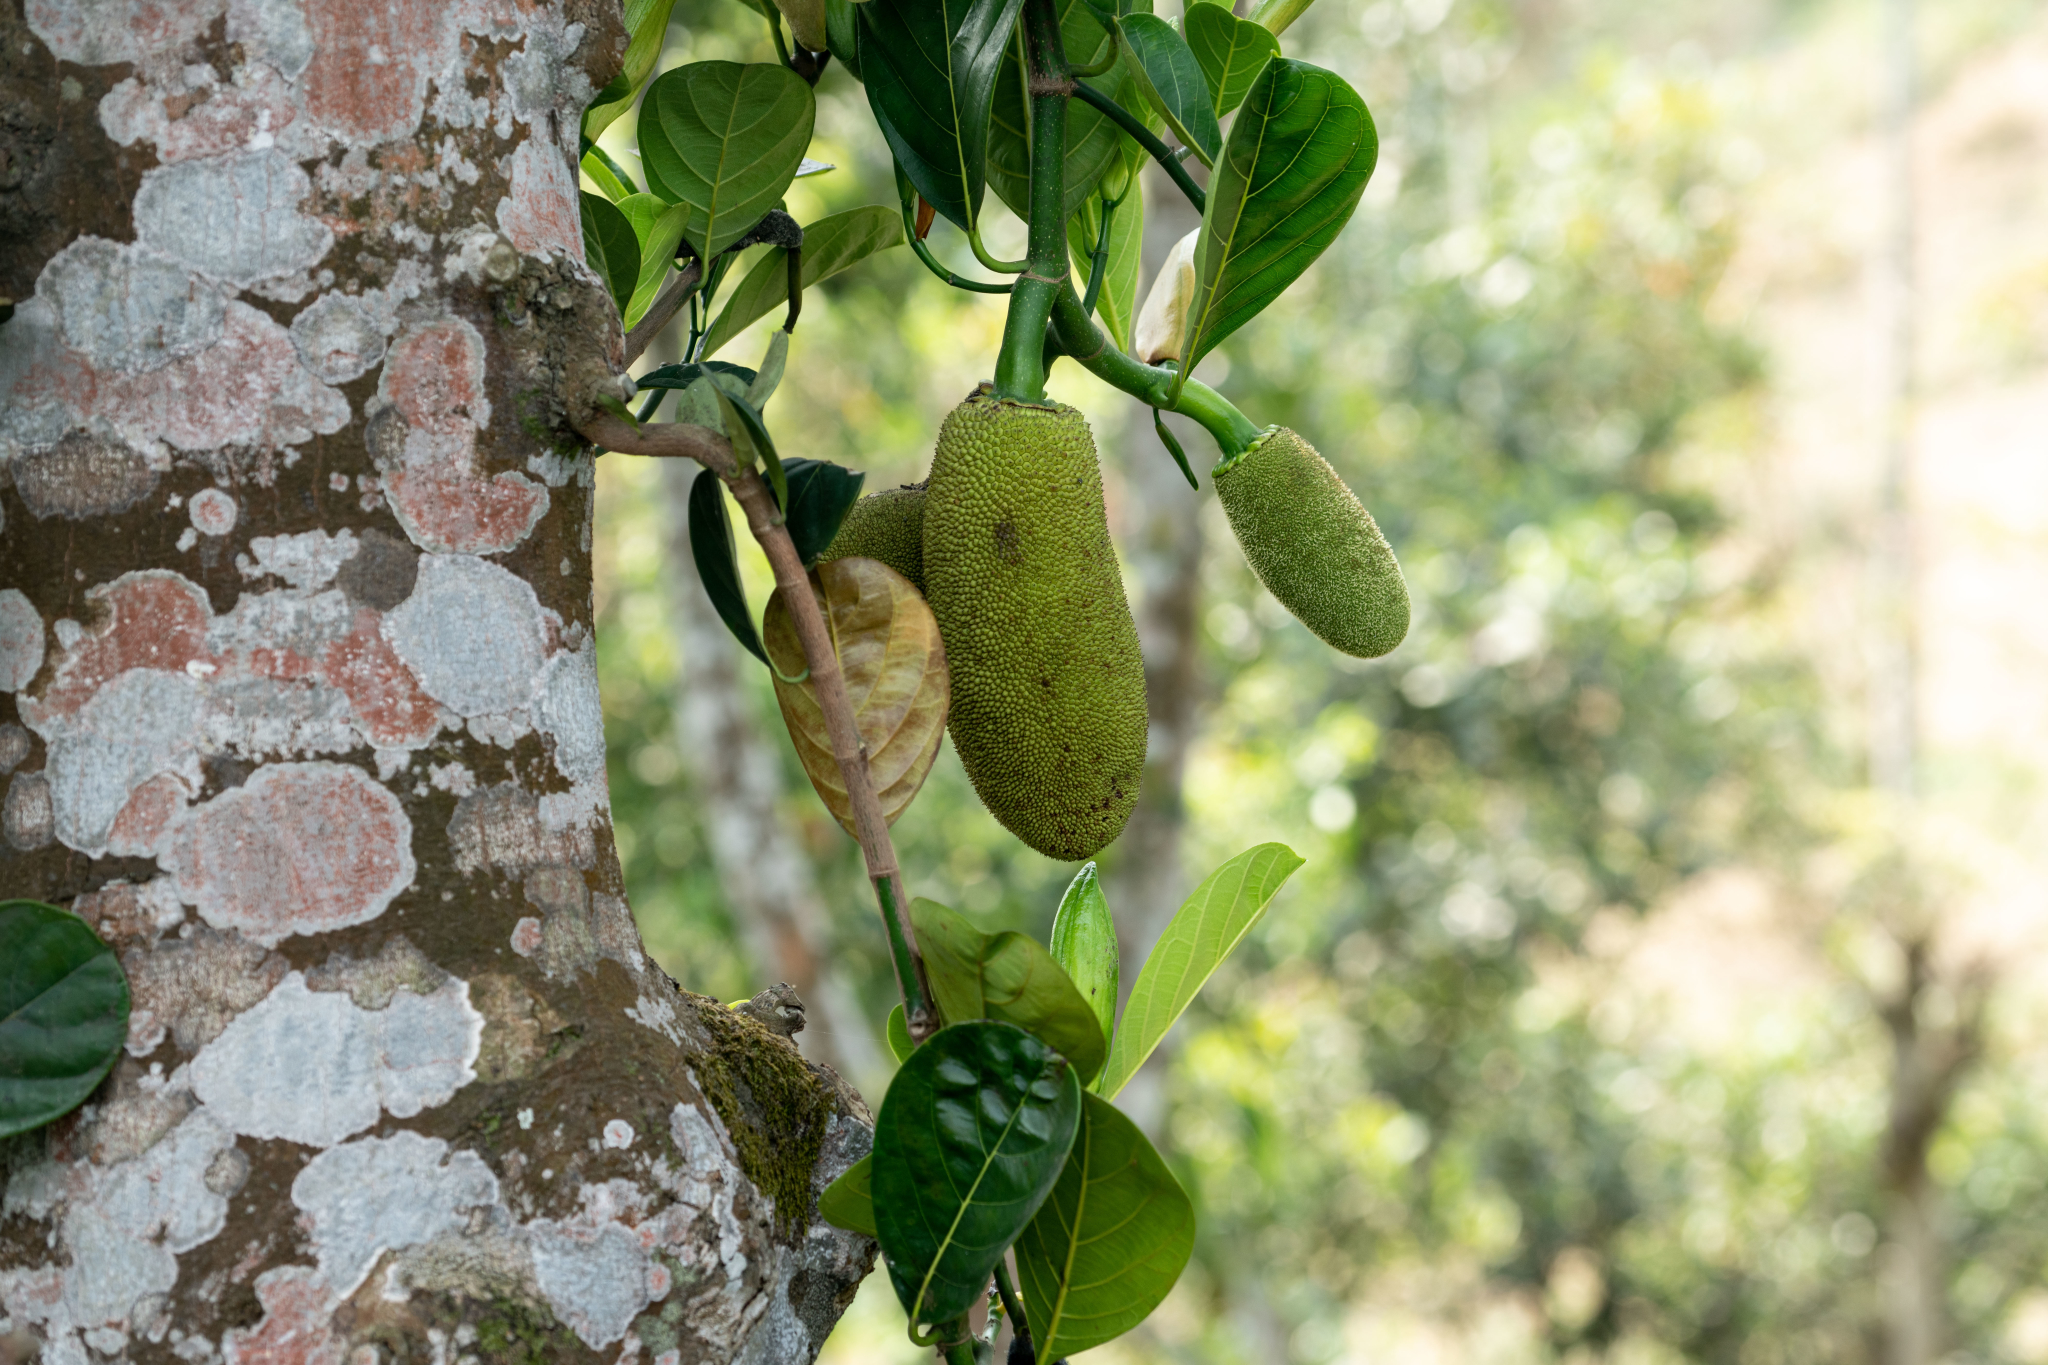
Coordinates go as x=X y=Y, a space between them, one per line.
x=1140 y=134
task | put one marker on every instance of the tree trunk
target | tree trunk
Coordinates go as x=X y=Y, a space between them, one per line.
x=298 y=706
x=767 y=876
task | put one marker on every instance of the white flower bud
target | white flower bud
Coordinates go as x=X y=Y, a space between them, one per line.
x=1163 y=321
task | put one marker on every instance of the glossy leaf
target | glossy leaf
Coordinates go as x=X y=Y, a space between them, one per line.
x=820 y=495
x=1165 y=72
x=895 y=670
x=1093 y=142
x=830 y=245
x=898 y=1033
x=647 y=23
x=1290 y=175
x=1008 y=977
x=1231 y=52
x=1208 y=925
x=1109 y=1242
x=734 y=379
x=973 y=1134
x=611 y=247
x=806 y=22
x=63 y=1013
x=658 y=226
x=930 y=71
x=726 y=140
x=1084 y=944
x=842 y=34
x=1116 y=302
x=848 y=1202
x=718 y=569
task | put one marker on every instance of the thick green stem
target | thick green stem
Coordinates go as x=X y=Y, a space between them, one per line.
x=1008 y=1293
x=1020 y=367
x=1142 y=135
x=1153 y=385
x=916 y=1008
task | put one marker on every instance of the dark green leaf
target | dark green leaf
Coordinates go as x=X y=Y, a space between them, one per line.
x=734 y=379
x=1092 y=140
x=725 y=140
x=1166 y=74
x=751 y=443
x=820 y=494
x=1231 y=52
x=830 y=245
x=848 y=1202
x=1006 y=977
x=1110 y=1241
x=842 y=35
x=930 y=70
x=611 y=247
x=1208 y=925
x=63 y=1014
x=972 y=1135
x=718 y=569
x=1084 y=944
x=1291 y=172
x=899 y=1035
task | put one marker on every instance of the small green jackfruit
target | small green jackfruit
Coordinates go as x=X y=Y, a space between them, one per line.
x=1314 y=545
x=1048 y=686
x=888 y=526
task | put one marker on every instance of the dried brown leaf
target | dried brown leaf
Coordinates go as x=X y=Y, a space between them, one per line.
x=895 y=669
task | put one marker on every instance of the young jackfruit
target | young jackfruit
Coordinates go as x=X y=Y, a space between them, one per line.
x=888 y=526
x=1313 y=544
x=1048 y=686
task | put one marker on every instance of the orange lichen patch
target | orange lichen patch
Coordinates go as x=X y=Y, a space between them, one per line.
x=140 y=828
x=302 y=848
x=297 y=1326
x=155 y=619
x=542 y=214
x=385 y=695
x=453 y=512
x=213 y=512
x=368 y=77
x=434 y=376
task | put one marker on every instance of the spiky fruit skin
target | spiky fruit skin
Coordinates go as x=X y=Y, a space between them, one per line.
x=1313 y=545
x=888 y=526
x=1048 y=686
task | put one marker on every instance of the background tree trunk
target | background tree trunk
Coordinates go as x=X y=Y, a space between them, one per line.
x=298 y=705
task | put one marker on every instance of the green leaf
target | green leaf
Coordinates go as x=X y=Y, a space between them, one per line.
x=1117 y=302
x=659 y=229
x=647 y=22
x=842 y=34
x=1110 y=1241
x=820 y=495
x=848 y=1202
x=972 y=1135
x=1092 y=140
x=751 y=443
x=610 y=246
x=725 y=140
x=609 y=175
x=1007 y=977
x=1290 y=175
x=806 y=22
x=898 y=1031
x=718 y=568
x=830 y=245
x=1208 y=925
x=768 y=377
x=63 y=1014
x=1166 y=73
x=930 y=71
x=1278 y=14
x=1084 y=944
x=734 y=379
x=1231 y=52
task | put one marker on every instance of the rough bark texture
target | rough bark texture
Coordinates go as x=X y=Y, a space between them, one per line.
x=768 y=877
x=298 y=705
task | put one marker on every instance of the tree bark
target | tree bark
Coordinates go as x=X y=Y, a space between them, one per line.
x=768 y=878
x=298 y=706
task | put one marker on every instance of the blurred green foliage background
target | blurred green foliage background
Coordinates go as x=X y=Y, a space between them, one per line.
x=1571 y=1042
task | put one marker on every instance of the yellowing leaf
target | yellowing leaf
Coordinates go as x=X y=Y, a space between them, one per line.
x=895 y=669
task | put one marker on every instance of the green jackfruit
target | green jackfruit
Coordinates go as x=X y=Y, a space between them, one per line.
x=1048 y=686
x=888 y=526
x=1314 y=545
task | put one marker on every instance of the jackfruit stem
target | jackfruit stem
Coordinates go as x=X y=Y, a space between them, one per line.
x=1020 y=365
x=764 y=518
x=1152 y=385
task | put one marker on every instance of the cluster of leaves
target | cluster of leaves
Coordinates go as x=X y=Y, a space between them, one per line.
x=998 y=1133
